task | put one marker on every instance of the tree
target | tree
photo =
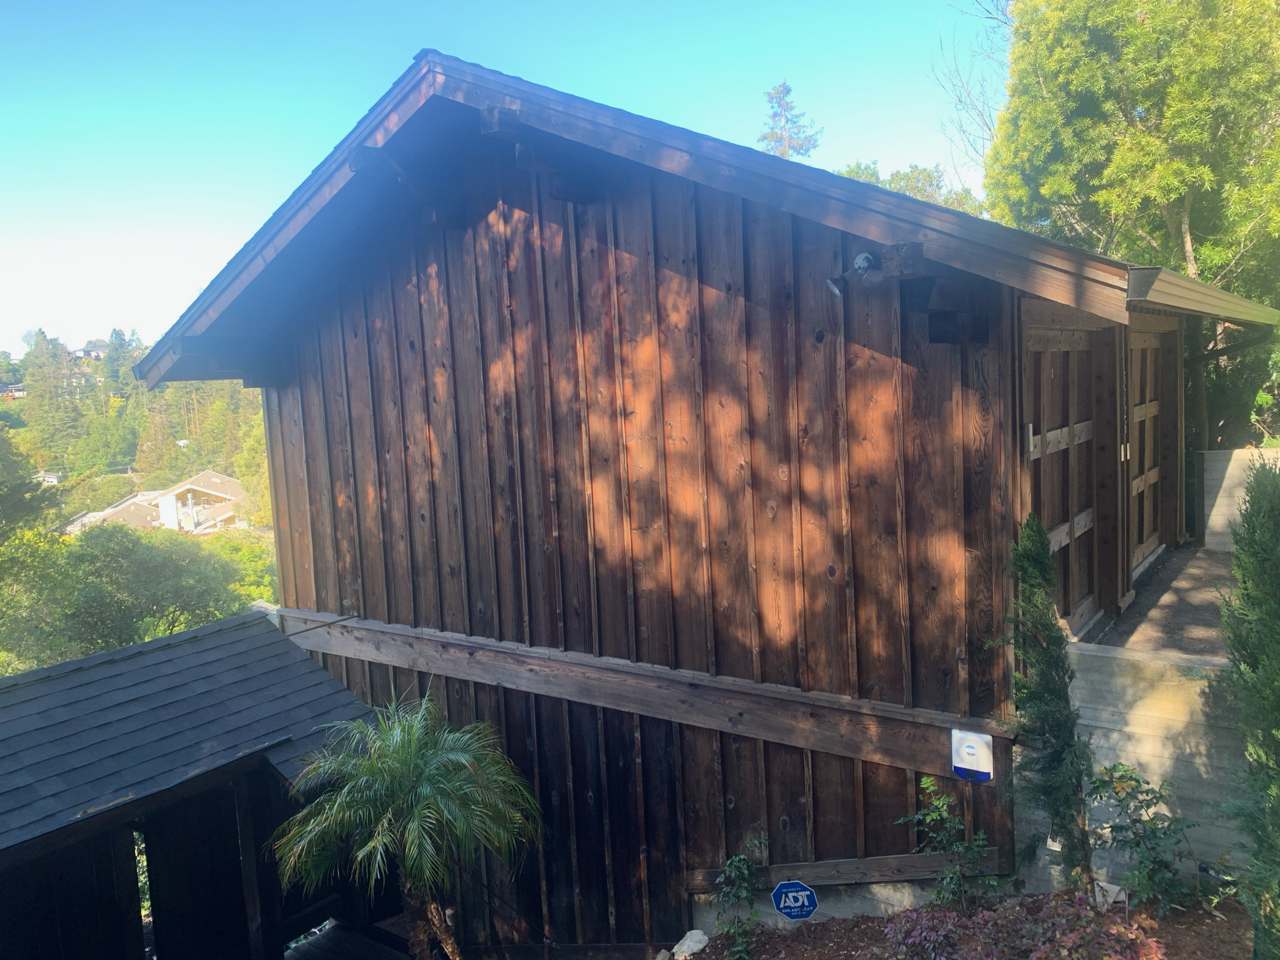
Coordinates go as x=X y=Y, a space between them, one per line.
x=108 y=587
x=789 y=134
x=406 y=790
x=923 y=183
x=1148 y=131
x=22 y=498
x=253 y=556
x=1251 y=628
x=10 y=372
x=51 y=412
x=1055 y=764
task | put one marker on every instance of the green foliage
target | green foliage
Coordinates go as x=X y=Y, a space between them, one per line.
x=736 y=915
x=64 y=597
x=405 y=791
x=789 y=134
x=923 y=183
x=97 y=493
x=250 y=465
x=1140 y=825
x=10 y=372
x=1251 y=625
x=939 y=829
x=1055 y=762
x=1149 y=130
x=252 y=555
x=22 y=499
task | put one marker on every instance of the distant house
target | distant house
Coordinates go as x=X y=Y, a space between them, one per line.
x=14 y=391
x=93 y=350
x=201 y=504
x=49 y=478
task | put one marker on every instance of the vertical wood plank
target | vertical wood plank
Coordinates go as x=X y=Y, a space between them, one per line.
x=297 y=496
x=821 y=399
x=684 y=436
x=729 y=501
x=283 y=522
x=446 y=474
x=393 y=503
x=341 y=470
x=878 y=500
x=319 y=484
x=770 y=338
x=934 y=511
x=418 y=468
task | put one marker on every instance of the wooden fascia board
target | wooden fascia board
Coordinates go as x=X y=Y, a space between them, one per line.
x=863 y=729
x=1163 y=289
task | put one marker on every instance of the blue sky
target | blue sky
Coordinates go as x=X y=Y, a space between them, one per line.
x=141 y=144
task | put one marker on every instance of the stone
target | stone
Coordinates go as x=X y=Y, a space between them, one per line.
x=689 y=944
x=664 y=955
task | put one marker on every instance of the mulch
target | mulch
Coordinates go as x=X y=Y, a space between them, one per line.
x=1189 y=935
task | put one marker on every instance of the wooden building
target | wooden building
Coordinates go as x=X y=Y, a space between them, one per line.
x=188 y=742
x=692 y=469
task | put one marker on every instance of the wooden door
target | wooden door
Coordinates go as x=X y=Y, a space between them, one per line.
x=1058 y=427
x=1146 y=374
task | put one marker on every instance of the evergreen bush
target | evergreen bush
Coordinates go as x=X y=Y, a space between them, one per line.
x=1251 y=625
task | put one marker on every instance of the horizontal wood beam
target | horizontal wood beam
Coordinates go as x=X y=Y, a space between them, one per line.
x=1064 y=533
x=1044 y=444
x=1145 y=411
x=1141 y=482
x=827 y=873
x=1054 y=338
x=829 y=723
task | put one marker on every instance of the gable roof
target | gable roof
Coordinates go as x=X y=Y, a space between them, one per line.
x=208 y=481
x=1060 y=273
x=89 y=736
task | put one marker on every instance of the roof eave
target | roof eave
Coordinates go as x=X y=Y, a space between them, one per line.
x=1162 y=289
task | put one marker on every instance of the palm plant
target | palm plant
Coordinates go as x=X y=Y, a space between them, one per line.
x=406 y=791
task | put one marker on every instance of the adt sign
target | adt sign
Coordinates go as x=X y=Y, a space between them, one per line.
x=795 y=900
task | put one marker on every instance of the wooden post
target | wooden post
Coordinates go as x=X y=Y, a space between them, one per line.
x=1110 y=490
x=249 y=868
x=1172 y=442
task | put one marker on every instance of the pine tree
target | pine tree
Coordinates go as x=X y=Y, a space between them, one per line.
x=790 y=134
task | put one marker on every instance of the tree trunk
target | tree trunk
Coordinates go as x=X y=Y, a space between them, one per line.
x=420 y=932
x=440 y=927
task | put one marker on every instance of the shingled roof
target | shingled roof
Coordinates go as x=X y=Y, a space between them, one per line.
x=91 y=735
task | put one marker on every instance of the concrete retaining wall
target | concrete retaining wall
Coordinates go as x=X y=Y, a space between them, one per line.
x=1225 y=472
x=1155 y=711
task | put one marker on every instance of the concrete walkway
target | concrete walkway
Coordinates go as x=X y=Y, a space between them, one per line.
x=1176 y=609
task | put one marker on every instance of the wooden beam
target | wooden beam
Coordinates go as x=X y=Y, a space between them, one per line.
x=825 y=873
x=249 y=868
x=830 y=723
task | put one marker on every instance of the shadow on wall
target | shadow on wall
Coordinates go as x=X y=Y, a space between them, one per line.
x=1159 y=712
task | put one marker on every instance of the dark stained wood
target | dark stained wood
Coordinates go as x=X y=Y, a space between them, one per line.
x=738 y=537
x=281 y=515
x=843 y=726
x=684 y=451
x=770 y=343
x=933 y=468
x=319 y=483
x=341 y=470
x=879 y=869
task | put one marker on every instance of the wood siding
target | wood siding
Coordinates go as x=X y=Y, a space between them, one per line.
x=645 y=426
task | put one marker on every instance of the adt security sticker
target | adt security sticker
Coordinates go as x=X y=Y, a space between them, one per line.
x=795 y=900
x=971 y=755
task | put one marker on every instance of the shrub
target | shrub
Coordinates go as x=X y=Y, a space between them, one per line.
x=1251 y=624
x=939 y=829
x=1154 y=840
x=1055 y=763
x=736 y=918
x=405 y=793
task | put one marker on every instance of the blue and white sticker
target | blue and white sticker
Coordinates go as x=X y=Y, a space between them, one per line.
x=971 y=755
x=795 y=900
